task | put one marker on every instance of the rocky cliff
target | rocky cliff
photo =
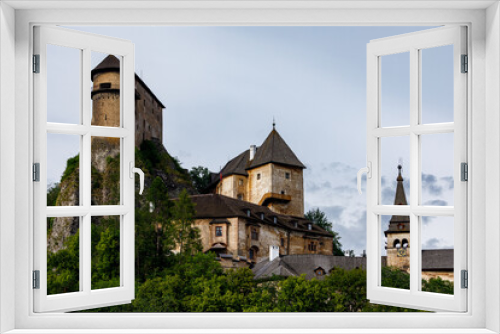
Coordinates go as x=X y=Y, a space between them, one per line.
x=152 y=158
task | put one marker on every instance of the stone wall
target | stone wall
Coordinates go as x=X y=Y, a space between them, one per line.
x=445 y=275
x=148 y=116
x=106 y=101
x=393 y=260
x=256 y=189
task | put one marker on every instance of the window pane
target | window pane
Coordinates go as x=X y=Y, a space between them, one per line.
x=395 y=250
x=105 y=171
x=437 y=254
x=105 y=106
x=63 y=84
x=63 y=170
x=63 y=255
x=437 y=169
x=395 y=89
x=105 y=252
x=395 y=181
x=437 y=84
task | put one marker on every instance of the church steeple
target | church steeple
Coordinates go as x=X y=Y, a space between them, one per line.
x=400 y=199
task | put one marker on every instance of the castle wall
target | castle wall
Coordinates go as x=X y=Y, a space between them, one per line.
x=293 y=186
x=445 y=275
x=232 y=186
x=256 y=189
x=148 y=116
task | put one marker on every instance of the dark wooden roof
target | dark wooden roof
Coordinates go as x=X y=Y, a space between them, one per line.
x=237 y=165
x=214 y=206
x=295 y=265
x=112 y=64
x=437 y=259
x=275 y=150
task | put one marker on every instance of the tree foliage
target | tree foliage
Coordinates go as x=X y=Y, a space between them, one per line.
x=201 y=178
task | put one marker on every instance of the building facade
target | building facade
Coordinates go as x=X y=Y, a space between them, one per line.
x=240 y=231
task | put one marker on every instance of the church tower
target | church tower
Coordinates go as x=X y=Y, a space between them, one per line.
x=398 y=233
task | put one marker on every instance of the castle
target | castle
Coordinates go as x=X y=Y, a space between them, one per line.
x=106 y=102
x=255 y=210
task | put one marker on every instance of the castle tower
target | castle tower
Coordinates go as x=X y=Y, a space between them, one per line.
x=106 y=102
x=270 y=175
x=398 y=233
x=106 y=93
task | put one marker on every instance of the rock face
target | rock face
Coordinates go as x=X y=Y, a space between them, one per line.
x=152 y=158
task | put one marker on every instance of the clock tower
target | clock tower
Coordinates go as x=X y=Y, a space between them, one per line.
x=398 y=233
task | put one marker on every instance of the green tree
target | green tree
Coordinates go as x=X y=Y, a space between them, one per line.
x=63 y=267
x=187 y=237
x=320 y=219
x=201 y=178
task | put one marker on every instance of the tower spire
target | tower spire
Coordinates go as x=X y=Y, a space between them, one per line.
x=274 y=123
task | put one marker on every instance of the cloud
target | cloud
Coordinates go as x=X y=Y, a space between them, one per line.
x=435 y=243
x=429 y=184
x=436 y=202
x=449 y=181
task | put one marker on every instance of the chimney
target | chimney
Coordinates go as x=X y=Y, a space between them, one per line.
x=274 y=252
x=253 y=149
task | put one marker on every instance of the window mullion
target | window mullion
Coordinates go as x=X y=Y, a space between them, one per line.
x=414 y=169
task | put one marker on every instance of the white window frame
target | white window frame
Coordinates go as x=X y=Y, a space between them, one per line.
x=85 y=298
x=483 y=20
x=414 y=43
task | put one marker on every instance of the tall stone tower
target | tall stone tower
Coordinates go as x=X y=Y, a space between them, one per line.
x=270 y=175
x=106 y=102
x=398 y=233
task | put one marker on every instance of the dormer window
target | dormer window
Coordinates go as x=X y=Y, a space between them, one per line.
x=262 y=216
x=275 y=220
x=309 y=226
x=248 y=212
x=218 y=231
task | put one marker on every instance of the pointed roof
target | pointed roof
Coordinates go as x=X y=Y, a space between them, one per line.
x=108 y=64
x=237 y=165
x=275 y=150
x=400 y=199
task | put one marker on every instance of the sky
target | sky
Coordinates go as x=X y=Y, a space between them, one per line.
x=223 y=86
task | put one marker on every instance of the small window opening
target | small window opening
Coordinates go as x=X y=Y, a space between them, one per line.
x=287 y=176
x=218 y=231
x=105 y=85
x=255 y=234
x=282 y=242
x=282 y=192
x=258 y=176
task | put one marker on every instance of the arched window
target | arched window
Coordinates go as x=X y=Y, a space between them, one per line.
x=396 y=244
x=405 y=243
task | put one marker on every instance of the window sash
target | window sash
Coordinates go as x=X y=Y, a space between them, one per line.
x=85 y=298
x=412 y=43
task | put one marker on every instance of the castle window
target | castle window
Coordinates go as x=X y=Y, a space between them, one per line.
x=319 y=272
x=105 y=117
x=240 y=182
x=218 y=231
x=262 y=216
x=240 y=197
x=248 y=212
x=309 y=227
x=312 y=246
x=396 y=244
x=282 y=242
x=287 y=176
x=282 y=192
x=105 y=85
x=254 y=234
x=258 y=176
x=251 y=254
x=275 y=220
x=405 y=243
